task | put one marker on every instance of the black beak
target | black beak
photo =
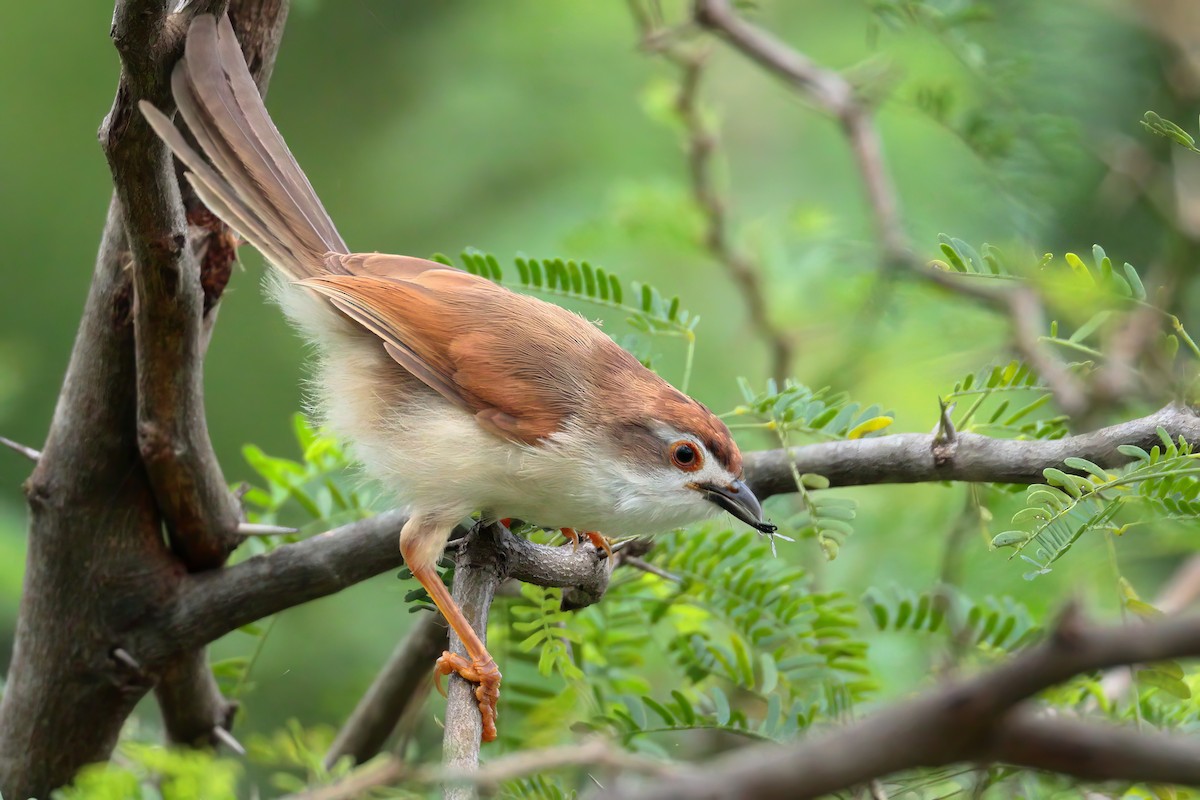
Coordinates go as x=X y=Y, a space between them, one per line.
x=738 y=500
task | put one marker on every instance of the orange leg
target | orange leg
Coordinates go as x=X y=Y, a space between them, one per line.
x=420 y=554
x=479 y=668
x=572 y=537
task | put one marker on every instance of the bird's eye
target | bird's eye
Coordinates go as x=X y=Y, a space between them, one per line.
x=685 y=456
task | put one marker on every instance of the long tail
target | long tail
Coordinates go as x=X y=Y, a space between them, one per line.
x=253 y=183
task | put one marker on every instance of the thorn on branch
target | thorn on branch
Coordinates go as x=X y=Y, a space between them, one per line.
x=20 y=449
x=122 y=656
x=226 y=738
x=945 y=436
x=259 y=529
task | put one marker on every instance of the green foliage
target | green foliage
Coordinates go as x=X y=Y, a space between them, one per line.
x=296 y=756
x=753 y=650
x=993 y=624
x=1169 y=130
x=1002 y=400
x=318 y=490
x=546 y=630
x=152 y=772
x=649 y=312
x=1161 y=484
x=797 y=409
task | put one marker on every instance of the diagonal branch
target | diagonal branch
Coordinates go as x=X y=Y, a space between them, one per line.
x=836 y=96
x=401 y=683
x=702 y=144
x=983 y=719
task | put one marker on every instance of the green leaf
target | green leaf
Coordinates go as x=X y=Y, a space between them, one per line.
x=1133 y=451
x=1135 y=282
x=1084 y=465
x=870 y=426
x=811 y=480
x=1009 y=538
x=1164 y=683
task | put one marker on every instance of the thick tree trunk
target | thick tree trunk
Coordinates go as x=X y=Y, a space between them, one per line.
x=96 y=556
x=94 y=627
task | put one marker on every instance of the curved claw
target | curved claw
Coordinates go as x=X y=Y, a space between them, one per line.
x=487 y=693
x=600 y=542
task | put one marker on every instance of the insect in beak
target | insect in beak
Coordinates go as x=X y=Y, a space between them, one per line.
x=738 y=500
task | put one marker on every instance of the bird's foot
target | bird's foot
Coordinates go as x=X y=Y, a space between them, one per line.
x=598 y=540
x=487 y=675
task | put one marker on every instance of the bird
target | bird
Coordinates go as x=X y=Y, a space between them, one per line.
x=458 y=395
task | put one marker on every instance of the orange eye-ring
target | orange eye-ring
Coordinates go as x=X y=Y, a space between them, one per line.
x=686 y=456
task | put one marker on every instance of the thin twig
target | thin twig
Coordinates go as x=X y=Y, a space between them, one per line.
x=385 y=772
x=702 y=144
x=1028 y=322
x=646 y=566
x=836 y=96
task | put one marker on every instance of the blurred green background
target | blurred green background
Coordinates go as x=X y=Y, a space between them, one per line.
x=538 y=127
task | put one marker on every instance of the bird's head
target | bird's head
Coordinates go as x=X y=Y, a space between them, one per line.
x=690 y=463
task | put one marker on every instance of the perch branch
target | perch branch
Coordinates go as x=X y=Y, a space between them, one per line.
x=211 y=604
x=214 y=603
x=479 y=569
x=988 y=718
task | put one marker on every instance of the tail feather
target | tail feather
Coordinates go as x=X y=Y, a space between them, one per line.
x=254 y=184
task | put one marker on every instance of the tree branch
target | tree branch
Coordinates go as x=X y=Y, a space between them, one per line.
x=193 y=708
x=702 y=144
x=479 y=569
x=188 y=485
x=915 y=457
x=982 y=719
x=211 y=604
x=834 y=95
x=98 y=575
x=402 y=682
x=172 y=296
